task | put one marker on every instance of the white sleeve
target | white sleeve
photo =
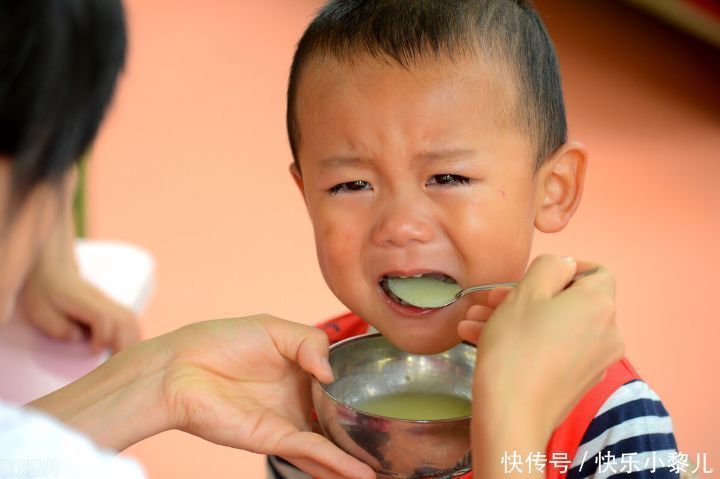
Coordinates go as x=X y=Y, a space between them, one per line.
x=33 y=444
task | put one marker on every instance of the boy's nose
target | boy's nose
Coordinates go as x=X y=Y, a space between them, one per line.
x=401 y=225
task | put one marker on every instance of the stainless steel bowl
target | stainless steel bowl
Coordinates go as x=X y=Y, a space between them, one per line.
x=369 y=366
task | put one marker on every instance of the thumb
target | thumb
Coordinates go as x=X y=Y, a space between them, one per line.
x=307 y=346
x=313 y=356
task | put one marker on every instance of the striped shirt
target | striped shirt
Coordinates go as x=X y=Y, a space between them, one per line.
x=631 y=436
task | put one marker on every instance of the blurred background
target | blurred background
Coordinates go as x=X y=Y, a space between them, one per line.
x=192 y=164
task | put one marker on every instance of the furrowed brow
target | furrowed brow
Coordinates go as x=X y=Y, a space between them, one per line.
x=334 y=162
x=444 y=154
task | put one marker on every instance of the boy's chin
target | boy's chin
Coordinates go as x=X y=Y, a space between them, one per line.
x=417 y=344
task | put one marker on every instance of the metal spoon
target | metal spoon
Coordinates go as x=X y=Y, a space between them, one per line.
x=488 y=287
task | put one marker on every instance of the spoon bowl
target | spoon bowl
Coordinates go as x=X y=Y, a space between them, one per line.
x=442 y=295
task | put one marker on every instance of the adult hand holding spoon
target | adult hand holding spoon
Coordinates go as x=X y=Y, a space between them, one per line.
x=541 y=348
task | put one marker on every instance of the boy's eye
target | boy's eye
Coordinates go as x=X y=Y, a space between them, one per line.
x=448 y=179
x=357 y=185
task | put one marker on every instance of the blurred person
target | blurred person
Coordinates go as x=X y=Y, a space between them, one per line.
x=50 y=112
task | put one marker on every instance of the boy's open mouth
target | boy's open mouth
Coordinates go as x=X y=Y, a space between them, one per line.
x=414 y=297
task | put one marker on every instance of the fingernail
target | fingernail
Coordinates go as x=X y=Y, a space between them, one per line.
x=327 y=369
x=569 y=259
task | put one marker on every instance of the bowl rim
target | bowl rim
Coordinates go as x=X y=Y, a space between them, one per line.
x=361 y=337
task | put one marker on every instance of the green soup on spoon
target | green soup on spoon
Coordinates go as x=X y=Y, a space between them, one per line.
x=423 y=291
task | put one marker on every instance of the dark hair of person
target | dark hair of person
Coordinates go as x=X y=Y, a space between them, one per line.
x=59 y=62
x=405 y=31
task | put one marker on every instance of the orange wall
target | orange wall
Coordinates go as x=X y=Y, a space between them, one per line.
x=192 y=164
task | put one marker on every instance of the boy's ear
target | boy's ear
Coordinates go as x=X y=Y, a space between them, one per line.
x=560 y=186
x=297 y=176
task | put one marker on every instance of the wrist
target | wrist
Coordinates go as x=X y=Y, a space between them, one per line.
x=507 y=395
x=504 y=427
x=508 y=420
x=118 y=404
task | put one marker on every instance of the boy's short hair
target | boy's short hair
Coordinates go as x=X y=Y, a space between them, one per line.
x=506 y=31
x=59 y=61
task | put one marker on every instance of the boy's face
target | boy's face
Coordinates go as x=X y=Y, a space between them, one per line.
x=411 y=171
